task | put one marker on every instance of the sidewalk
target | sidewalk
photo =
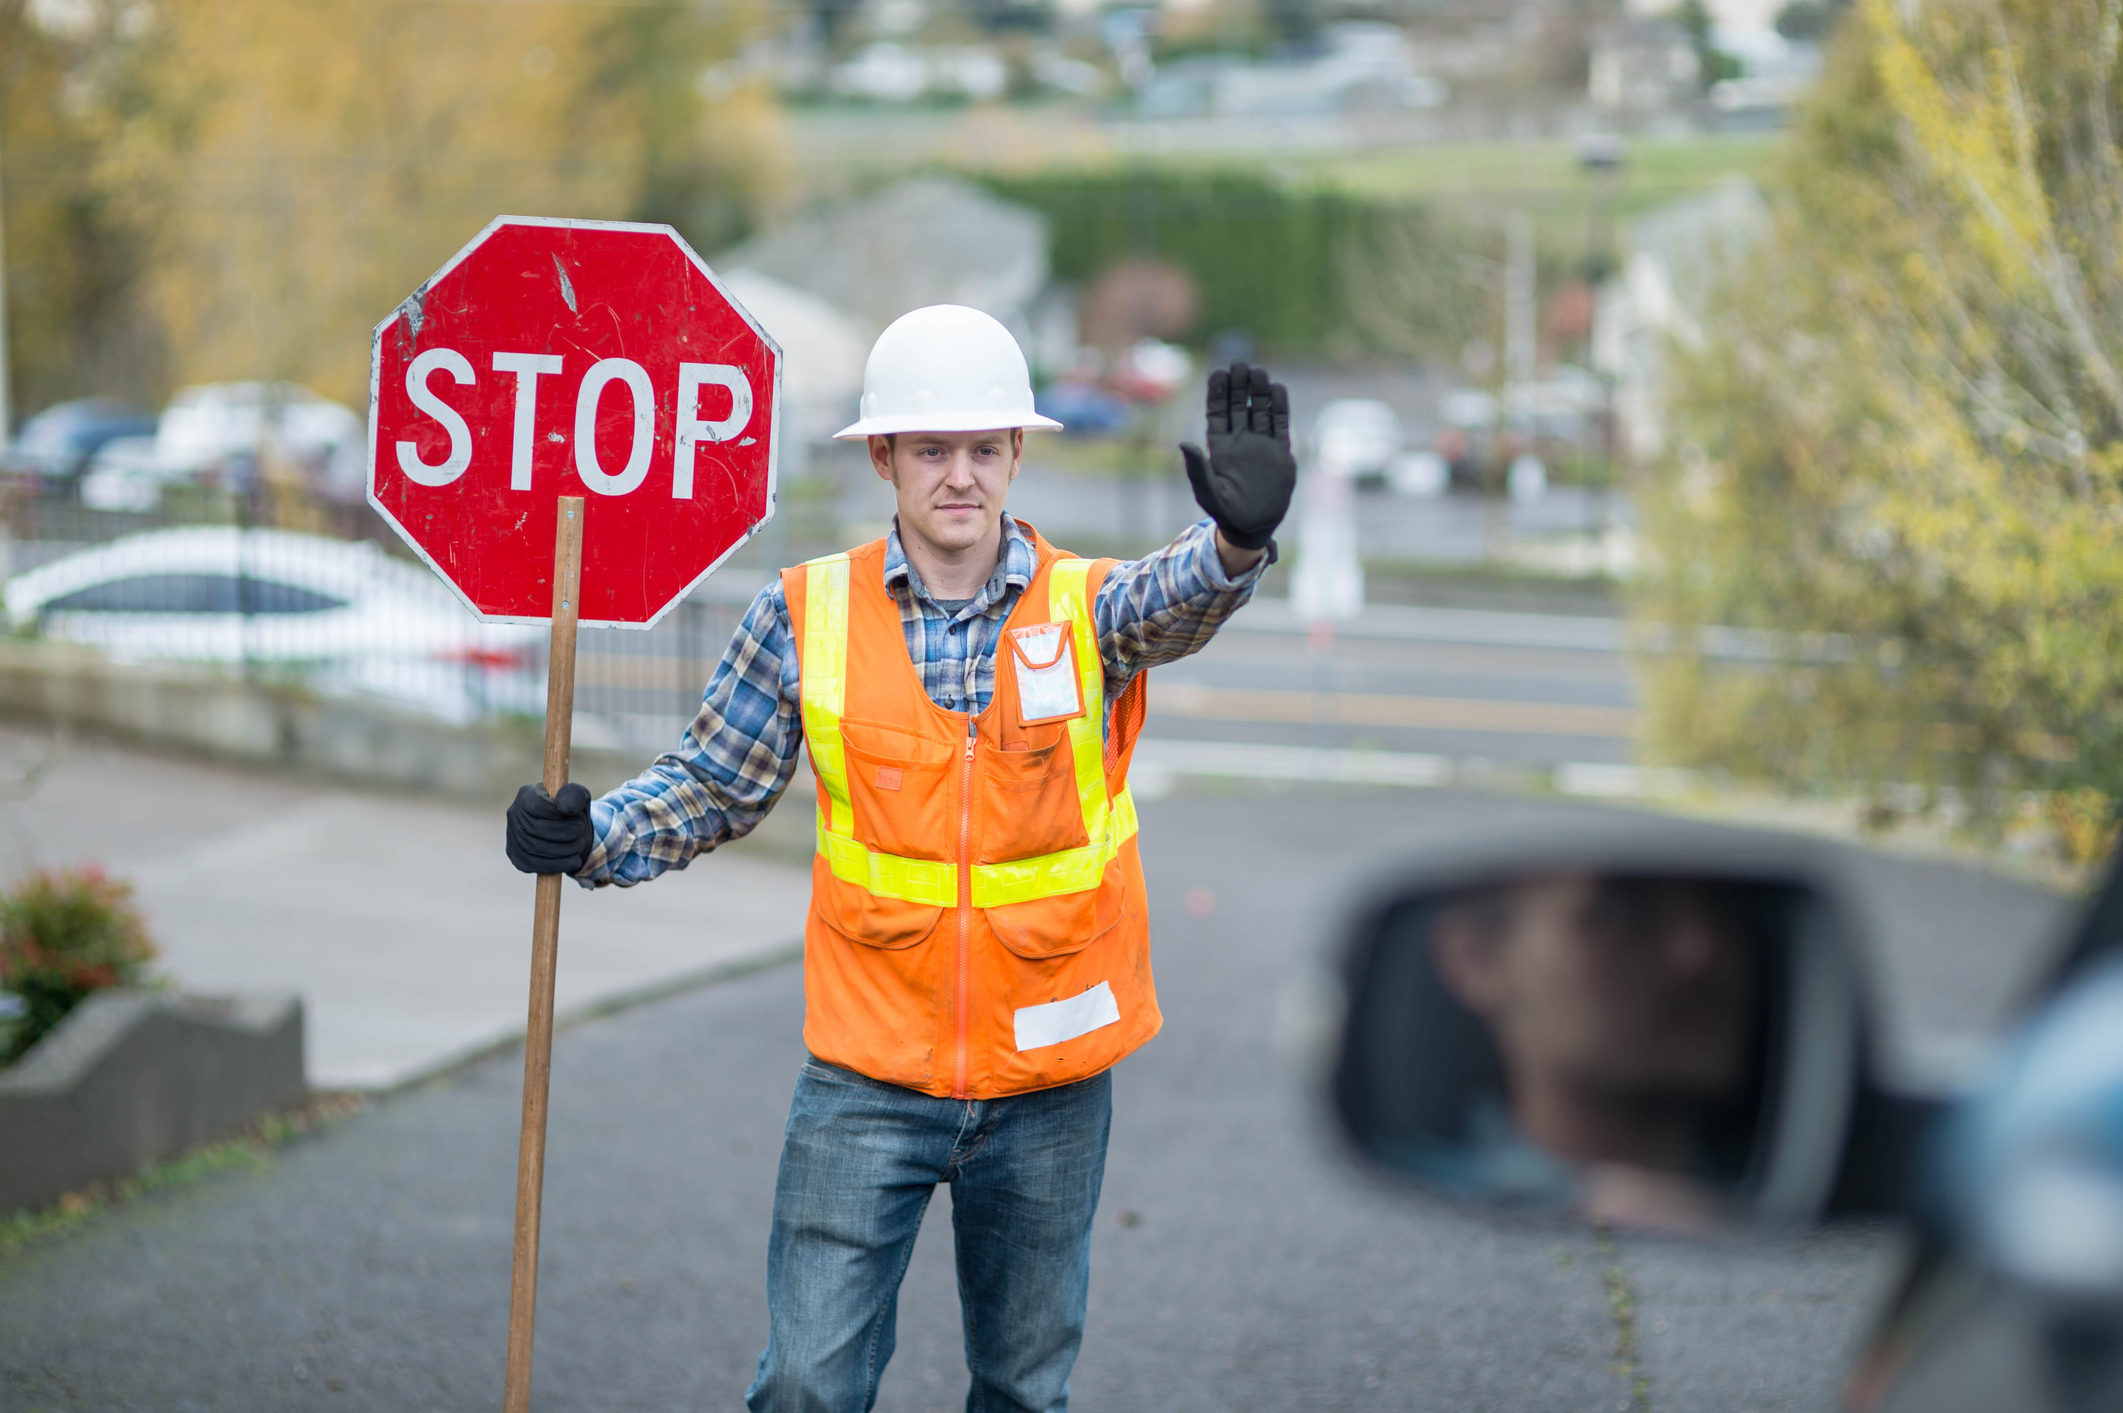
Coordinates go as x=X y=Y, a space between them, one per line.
x=398 y=920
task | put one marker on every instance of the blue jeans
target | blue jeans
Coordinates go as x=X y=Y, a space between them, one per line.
x=858 y=1165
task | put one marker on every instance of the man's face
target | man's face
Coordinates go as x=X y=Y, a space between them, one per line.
x=1626 y=988
x=950 y=485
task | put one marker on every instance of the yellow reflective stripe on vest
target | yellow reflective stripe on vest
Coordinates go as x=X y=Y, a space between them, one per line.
x=1070 y=871
x=824 y=695
x=1087 y=733
x=825 y=683
x=1107 y=823
x=930 y=881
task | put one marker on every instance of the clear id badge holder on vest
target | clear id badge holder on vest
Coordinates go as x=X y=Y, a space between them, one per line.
x=1048 y=688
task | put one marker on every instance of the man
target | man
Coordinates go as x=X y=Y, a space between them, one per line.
x=976 y=957
x=1623 y=1010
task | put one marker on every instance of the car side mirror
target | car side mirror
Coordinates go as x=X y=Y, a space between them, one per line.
x=1659 y=1039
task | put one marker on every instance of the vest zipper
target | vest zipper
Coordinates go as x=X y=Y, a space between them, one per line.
x=965 y=909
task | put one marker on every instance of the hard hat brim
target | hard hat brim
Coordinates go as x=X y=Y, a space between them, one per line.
x=991 y=421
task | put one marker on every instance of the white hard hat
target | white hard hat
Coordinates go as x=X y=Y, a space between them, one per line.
x=945 y=368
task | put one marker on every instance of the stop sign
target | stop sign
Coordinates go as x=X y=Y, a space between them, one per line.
x=573 y=358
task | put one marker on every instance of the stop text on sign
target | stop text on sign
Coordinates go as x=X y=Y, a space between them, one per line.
x=553 y=358
x=632 y=380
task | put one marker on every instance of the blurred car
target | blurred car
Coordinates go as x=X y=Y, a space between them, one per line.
x=1357 y=438
x=341 y=617
x=1424 y=474
x=1151 y=371
x=58 y=442
x=1084 y=409
x=208 y=426
x=1468 y=410
x=127 y=474
x=1652 y=1028
x=1526 y=480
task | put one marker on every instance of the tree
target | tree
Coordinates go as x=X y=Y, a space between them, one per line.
x=1713 y=65
x=72 y=295
x=1902 y=452
x=284 y=174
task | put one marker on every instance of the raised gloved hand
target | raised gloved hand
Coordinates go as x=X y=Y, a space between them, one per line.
x=1245 y=480
x=550 y=833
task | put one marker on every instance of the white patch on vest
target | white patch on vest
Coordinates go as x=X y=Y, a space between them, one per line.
x=1044 y=693
x=1057 y=1021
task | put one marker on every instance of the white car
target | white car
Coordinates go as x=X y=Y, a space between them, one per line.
x=341 y=617
x=207 y=424
x=127 y=473
x=1419 y=473
x=1357 y=438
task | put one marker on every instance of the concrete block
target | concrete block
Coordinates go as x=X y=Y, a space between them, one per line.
x=131 y=1078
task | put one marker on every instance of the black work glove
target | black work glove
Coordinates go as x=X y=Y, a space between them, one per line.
x=550 y=833
x=1246 y=479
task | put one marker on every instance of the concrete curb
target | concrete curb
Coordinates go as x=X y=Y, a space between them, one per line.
x=131 y=1078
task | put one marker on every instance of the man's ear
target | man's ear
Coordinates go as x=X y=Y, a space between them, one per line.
x=1017 y=451
x=881 y=458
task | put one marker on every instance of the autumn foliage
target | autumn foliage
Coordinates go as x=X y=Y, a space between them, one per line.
x=1899 y=454
x=201 y=190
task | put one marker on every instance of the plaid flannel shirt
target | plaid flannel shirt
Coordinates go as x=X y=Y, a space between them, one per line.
x=738 y=755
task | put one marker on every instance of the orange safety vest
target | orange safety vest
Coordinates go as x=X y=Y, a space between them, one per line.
x=978 y=925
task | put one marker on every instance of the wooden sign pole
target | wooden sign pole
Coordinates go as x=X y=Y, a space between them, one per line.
x=545 y=952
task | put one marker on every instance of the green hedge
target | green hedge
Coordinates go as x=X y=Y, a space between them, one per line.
x=1299 y=271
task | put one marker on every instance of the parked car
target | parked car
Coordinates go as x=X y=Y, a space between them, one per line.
x=339 y=616
x=1658 y=1029
x=1424 y=474
x=1083 y=408
x=127 y=474
x=57 y=443
x=209 y=426
x=1358 y=438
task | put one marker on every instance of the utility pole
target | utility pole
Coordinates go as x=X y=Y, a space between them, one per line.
x=7 y=410
x=1515 y=410
x=1520 y=334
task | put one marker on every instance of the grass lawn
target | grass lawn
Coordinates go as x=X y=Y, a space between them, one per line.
x=1658 y=170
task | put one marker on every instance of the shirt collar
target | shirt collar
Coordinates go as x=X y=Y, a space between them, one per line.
x=1013 y=571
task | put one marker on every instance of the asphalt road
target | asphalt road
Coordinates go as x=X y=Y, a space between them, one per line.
x=1527 y=691
x=1523 y=690
x=1517 y=689
x=1239 y=1264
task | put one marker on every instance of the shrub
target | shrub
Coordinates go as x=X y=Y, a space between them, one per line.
x=1302 y=271
x=65 y=933
x=1899 y=448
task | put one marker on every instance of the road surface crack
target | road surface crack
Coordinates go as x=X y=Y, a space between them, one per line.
x=1621 y=1307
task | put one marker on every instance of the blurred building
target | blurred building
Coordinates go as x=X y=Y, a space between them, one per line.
x=1643 y=66
x=926 y=240
x=1352 y=65
x=1678 y=258
x=1775 y=76
x=823 y=350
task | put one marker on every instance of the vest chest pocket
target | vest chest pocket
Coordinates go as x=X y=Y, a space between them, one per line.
x=900 y=788
x=1028 y=800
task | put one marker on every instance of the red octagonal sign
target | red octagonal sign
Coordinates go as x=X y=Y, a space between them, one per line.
x=573 y=358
